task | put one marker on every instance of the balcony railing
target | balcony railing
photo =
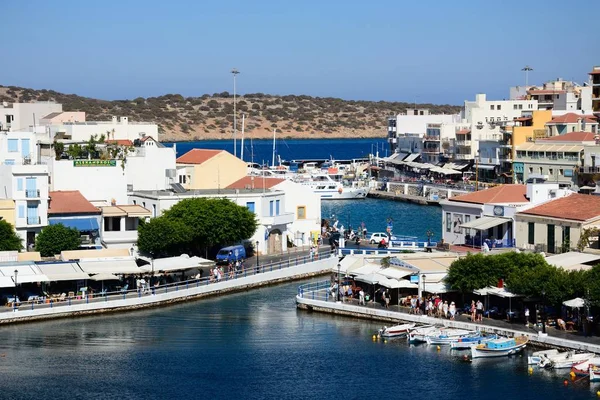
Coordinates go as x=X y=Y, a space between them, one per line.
x=34 y=220
x=463 y=156
x=463 y=143
x=32 y=193
x=590 y=170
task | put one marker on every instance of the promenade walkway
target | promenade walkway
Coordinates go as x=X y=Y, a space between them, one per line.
x=316 y=297
x=252 y=276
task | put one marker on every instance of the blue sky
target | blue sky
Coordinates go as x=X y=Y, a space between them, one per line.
x=425 y=51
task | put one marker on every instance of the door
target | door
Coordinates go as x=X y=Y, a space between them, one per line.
x=551 y=243
x=32 y=214
x=274 y=242
x=31 y=187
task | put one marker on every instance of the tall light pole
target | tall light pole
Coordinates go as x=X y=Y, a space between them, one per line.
x=526 y=69
x=235 y=72
x=339 y=290
x=257 y=255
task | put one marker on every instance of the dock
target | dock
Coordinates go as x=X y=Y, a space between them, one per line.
x=314 y=297
x=409 y=198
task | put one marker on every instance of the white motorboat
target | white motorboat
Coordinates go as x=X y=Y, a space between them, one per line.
x=563 y=361
x=396 y=330
x=329 y=189
x=536 y=357
x=582 y=368
x=419 y=335
x=447 y=336
x=499 y=347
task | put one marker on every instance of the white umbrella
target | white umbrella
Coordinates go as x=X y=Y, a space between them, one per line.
x=575 y=303
x=104 y=277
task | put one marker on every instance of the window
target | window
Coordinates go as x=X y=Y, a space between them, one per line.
x=566 y=238
x=19 y=184
x=531 y=170
x=499 y=107
x=498 y=119
x=134 y=202
x=529 y=105
x=531 y=233
x=271 y=203
x=250 y=205
x=9 y=162
x=550 y=171
x=515 y=106
x=541 y=170
x=144 y=204
x=21 y=211
x=13 y=145
x=448 y=222
x=520 y=106
x=182 y=179
x=568 y=173
x=467 y=218
x=154 y=210
x=491 y=106
x=301 y=212
x=277 y=202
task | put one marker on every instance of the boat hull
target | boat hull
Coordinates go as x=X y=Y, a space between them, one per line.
x=396 y=331
x=483 y=351
x=594 y=371
x=345 y=194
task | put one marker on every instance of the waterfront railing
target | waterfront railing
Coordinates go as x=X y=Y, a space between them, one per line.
x=150 y=289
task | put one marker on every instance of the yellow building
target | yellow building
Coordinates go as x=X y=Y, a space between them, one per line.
x=530 y=128
x=7 y=211
x=209 y=169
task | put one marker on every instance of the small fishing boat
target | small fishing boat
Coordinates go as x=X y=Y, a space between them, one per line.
x=536 y=357
x=563 y=361
x=467 y=342
x=499 y=347
x=419 y=335
x=582 y=368
x=446 y=336
x=594 y=371
x=396 y=330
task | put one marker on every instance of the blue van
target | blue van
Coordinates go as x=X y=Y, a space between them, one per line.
x=231 y=254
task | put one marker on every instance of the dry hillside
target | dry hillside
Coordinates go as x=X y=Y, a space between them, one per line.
x=211 y=116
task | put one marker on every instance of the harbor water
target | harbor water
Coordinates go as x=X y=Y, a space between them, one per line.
x=293 y=149
x=251 y=345
x=407 y=219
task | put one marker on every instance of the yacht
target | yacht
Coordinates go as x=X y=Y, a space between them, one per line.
x=329 y=189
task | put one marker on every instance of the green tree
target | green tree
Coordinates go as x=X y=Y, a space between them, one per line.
x=213 y=221
x=163 y=237
x=56 y=238
x=9 y=240
x=59 y=149
x=75 y=151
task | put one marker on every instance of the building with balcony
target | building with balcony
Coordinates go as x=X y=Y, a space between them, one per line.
x=557 y=95
x=119 y=229
x=556 y=226
x=18 y=148
x=487 y=217
x=595 y=84
x=556 y=159
x=118 y=128
x=27 y=186
x=72 y=210
x=274 y=221
x=23 y=116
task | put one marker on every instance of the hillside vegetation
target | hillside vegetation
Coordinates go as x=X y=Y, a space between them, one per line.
x=211 y=116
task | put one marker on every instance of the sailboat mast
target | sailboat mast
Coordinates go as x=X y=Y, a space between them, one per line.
x=242 y=150
x=273 y=160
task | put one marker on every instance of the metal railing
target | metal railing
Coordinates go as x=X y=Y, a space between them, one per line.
x=316 y=290
x=32 y=193
x=45 y=302
x=34 y=220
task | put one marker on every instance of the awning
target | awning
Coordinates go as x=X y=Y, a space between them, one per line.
x=350 y=263
x=104 y=277
x=577 y=302
x=366 y=269
x=394 y=273
x=176 y=263
x=484 y=223
x=113 y=211
x=412 y=157
x=110 y=266
x=81 y=224
x=486 y=167
x=27 y=272
x=436 y=288
x=571 y=258
x=553 y=147
x=62 y=271
x=404 y=284
x=371 y=279
x=6 y=281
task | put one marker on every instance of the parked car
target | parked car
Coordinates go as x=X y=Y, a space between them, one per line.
x=377 y=237
x=231 y=254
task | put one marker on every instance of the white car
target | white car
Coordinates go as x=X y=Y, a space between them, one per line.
x=377 y=237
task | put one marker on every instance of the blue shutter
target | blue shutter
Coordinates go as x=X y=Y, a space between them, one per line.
x=25 y=150
x=271 y=208
x=277 y=207
x=250 y=206
x=32 y=214
x=20 y=185
x=9 y=162
x=21 y=211
x=13 y=145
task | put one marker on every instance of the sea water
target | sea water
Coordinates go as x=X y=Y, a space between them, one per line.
x=251 y=345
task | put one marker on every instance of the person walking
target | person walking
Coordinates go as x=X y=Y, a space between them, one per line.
x=445 y=309
x=452 y=310
x=526 y=316
x=361 y=297
x=479 y=311
x=473 y=310
x=386 y=297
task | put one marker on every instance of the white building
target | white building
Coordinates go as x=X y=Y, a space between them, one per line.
x=151 y=166
x=22 y=116
x=27 y=185
x=556 y=95
x=116 y=129
x=120 y=223
x=269 y=206
x=18 y=148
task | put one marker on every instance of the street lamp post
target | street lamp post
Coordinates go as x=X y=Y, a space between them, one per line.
x=526 y=69
x=429 y=235
x=257 y=263
x=15 y=299
x=543 y=311
x=235 y=72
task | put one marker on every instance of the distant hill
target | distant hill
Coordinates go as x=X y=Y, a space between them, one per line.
x=211 y=116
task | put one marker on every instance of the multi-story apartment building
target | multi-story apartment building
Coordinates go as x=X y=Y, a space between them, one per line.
x=23 y=116
x=556 y=95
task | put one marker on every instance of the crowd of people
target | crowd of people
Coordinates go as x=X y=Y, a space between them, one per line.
x=432 y=306
x=217 y=273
